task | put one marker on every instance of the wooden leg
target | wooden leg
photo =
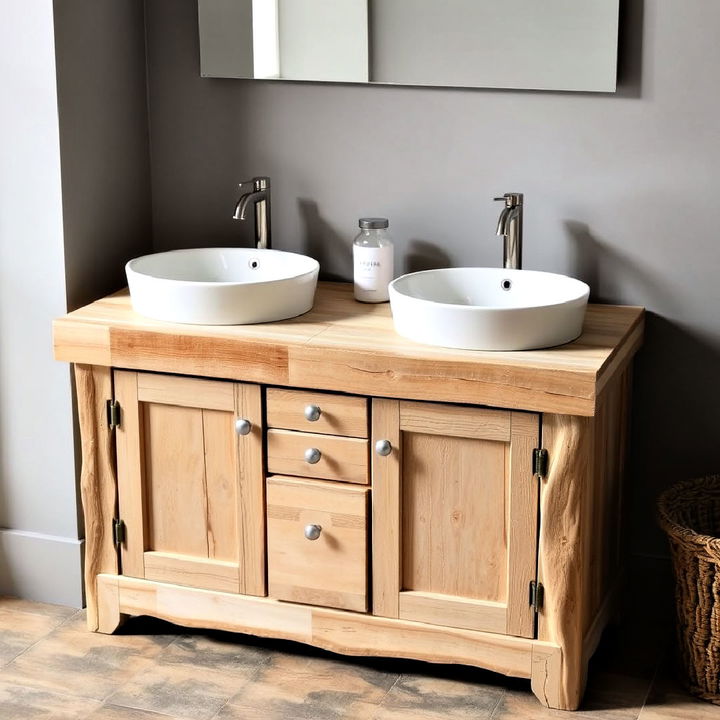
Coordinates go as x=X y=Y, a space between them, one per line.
x=546 y=677
x=108 y=605
x=97 y=479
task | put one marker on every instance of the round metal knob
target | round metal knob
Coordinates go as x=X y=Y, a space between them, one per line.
x=312 y=413
x=243 y=426
x=312 y=532
x=383 y=447
x=312 y=455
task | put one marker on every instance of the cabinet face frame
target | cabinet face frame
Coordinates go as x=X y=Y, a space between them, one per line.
x=218 y=401
x=519 y=432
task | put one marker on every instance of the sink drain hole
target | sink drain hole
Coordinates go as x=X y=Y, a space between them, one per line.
x=506 y=284
x=253 y=264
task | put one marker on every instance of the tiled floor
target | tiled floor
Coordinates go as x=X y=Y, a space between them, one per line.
x=51 y=667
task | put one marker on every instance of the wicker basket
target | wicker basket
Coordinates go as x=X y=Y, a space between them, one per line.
x=689 y=512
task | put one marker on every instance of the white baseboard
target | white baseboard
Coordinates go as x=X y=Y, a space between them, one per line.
x=40 y=567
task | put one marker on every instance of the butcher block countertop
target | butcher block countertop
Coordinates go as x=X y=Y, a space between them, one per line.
x=346 y=346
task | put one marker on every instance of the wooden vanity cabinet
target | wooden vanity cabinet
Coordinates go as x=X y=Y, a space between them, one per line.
x=469 y=503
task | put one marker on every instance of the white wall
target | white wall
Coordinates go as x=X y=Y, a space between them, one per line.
x=39 y=546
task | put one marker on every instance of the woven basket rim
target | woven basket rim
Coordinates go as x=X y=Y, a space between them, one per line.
x=681 y=533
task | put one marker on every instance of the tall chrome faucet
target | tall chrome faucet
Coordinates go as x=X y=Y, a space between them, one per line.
x=510 y=226
x=260 y=197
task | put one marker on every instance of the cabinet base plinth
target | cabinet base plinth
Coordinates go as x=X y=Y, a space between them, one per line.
x=338 y=631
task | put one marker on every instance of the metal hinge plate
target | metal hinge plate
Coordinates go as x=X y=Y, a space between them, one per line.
x=118 y=532
x=113 y=414
x=540 y=462
x=537 y=594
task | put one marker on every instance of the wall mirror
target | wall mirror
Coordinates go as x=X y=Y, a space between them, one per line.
x=521 y=44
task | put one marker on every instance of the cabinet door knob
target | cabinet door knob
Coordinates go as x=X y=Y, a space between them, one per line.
x=383 y=447
x=312 y=413
x=312 y=455
x=243 y=426
x=312 y=532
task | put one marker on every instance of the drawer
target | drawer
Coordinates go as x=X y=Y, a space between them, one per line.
x=326 y=412
x=332 y=569
x=317 y=456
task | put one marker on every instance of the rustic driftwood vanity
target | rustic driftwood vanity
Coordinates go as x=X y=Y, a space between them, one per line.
x=323 y=480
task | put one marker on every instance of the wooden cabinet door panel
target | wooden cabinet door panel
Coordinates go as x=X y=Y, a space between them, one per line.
x=190 y=488
x=455 y=515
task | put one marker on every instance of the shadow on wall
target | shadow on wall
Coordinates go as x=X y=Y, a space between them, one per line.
x=424 y=255
x=630 y=41
x=676 y=420
x=676 y=395
x=322 y=242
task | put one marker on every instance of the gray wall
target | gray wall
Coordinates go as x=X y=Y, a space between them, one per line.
x=621 y=190
x=74 y=204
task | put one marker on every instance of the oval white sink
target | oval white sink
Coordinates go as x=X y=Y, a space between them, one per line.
x=222 y=286
x=488 y=308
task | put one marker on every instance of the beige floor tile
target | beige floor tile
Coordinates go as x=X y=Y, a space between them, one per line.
x=18 y=702
x=312 y=686
x=77 y=662
x=430 y=696
x=13 y=604
x=183 y=690
x=23 y=623
x=217 y=650
x=118 y=712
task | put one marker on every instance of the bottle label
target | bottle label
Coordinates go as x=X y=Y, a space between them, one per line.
x=372 y=271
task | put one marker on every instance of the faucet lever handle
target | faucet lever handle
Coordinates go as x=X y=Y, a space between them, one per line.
x=511 y=199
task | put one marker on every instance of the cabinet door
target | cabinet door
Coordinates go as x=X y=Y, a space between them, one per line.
x=454 y=515
x=190 y=487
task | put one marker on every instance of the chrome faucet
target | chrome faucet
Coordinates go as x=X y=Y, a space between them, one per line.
x=260 y=197
x=510 y=226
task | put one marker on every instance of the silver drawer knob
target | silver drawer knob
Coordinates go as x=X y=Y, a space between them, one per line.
x=243 y=426
x=312 y=413
x=383 y=447
x=312 y=455
x=312 y=532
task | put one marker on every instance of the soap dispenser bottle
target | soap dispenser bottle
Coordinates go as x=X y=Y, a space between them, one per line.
x=373 y=255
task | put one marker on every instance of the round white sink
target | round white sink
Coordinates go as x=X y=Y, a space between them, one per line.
x=222 y=286
x=488 y=308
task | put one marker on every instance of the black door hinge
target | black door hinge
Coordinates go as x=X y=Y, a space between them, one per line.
x=540 y=462
x=118 y=532
x=113 y=414
x=537 y=593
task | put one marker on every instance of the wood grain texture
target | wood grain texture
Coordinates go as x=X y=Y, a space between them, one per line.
x=386 y=527
x=251 y=491
x=339 y=414
x=342 y=458
x=336 y=630
x=191 y=570
x=453 y=611
x=98 y=484
x=185 y=392
x=332 y=570
x=131 y=468
x=563 y=547
x=454 y=521
x=522 y=513
x=460 y=422
x=351 y=347
x=108 y=604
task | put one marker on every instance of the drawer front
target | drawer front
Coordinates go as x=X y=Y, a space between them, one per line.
x=332 y=569
x=318 y=456
x=317 y=412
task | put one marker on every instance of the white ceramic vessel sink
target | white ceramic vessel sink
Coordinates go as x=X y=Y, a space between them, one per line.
x=222 y=286
x=488 y=308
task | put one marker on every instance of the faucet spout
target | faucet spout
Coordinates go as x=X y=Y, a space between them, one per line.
x=510 y=228
x=259 y=197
